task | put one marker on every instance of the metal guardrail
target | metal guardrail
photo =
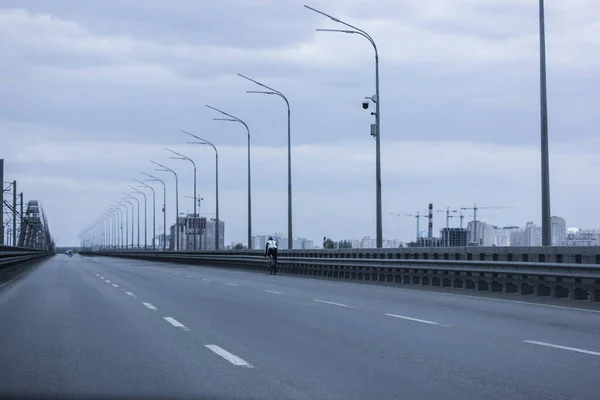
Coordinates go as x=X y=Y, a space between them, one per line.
x=10 y=256
x=561 y=280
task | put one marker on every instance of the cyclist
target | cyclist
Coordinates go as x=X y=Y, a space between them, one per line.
x=271 y=250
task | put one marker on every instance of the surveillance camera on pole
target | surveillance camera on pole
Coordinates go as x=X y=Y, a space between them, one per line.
x=365 y=105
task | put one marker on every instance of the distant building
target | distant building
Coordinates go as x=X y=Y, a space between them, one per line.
x=480 y=233
x=582 y=237
x=559 y=231
x=503 y=236
x=454 y=237
x=368 y=243
x=202 y=229
x=303 y=244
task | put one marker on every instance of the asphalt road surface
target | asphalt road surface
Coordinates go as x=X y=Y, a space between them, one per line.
x=85 y=327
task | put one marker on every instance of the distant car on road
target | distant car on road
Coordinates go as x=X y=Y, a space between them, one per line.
x=69 y=253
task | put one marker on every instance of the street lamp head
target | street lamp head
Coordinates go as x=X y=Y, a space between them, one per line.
x=225 y=119
x=259 y=91
x=336 y=30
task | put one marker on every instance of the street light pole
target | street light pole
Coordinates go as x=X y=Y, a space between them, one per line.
x=182 y=157
x=153 y=211
x=120 y=226
x=155 y=179
x=235 y=119
x=167 y=169
x=145 y=216
x=377 y=102
x=218 y=221
x=132 y=219
x=289 y=138
x=122 y=203
x=546 y=219
x=138 y=217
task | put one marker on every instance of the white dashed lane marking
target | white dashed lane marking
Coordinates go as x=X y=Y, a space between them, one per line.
x=332 y=303
x=115 y=285
x=416 y=320
x=150 y=306
x=207 y=280
x=175 y=323
x=130 y=294
x=232 y=284
x=232 y=358
x=272 y=291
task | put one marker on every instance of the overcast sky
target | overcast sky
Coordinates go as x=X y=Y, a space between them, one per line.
x=92 y=90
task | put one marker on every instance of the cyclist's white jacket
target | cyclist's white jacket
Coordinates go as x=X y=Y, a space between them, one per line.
x=271 y=244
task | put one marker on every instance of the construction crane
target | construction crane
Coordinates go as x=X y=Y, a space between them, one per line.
x=475 y=208
x=418 y=215
x=448 y=216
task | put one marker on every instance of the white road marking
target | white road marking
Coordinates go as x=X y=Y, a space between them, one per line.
x=107 y=281
x=332 y=303
x=101 y=277
x=556 y=346
x=115 y=285
x=188 y=276
x=4 y=284
x=232 y=284
x=232 y=358
x=130 y=294
x=417 y=320
x=504 y=300
x=150 y=306
x=272 y=291
x=207 y=280
x=175 y=323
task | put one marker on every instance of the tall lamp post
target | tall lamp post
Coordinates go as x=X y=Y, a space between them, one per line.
x=145 y=215
x=206 y=142
x=236 y=119
x=167 y=169
x=546 y=219
x=124 y=202
x=182 y=157
x=120 y=205
x=119 y=209
x=138 y=217
x=376 y=100
x=289 y=138
x=145 y=185
x=155 y=179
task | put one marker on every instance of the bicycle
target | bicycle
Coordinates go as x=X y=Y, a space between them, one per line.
x=272 y=265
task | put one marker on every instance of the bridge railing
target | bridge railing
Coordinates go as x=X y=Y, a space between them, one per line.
x=10 y=256
x=575 y=281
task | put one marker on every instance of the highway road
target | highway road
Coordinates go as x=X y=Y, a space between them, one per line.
x=113 y=328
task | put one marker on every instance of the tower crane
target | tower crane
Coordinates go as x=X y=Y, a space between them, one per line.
x=475 y=208
x=418 y=215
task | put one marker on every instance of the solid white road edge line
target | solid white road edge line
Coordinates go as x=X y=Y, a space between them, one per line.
x=557 y=346
x=232 y=358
